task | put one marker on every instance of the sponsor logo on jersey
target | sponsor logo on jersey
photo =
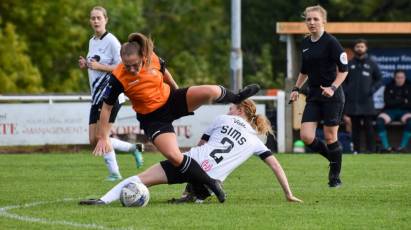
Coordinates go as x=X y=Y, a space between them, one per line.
x=206 y=165
x=134 y=82
x=304 y=50
x=238 y=122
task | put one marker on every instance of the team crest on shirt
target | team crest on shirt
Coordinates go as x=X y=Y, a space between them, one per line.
x=343 y=58
x=206 y=165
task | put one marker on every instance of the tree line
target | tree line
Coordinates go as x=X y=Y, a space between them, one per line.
x=40 y=41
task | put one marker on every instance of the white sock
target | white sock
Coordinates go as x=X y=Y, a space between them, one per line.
x=122 y=145
x=111 y=162
x=114 y=193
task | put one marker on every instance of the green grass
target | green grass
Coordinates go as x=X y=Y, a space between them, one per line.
x=376 y=194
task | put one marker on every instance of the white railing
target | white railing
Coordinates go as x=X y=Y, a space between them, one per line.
x=49 y=98
x=280 y=98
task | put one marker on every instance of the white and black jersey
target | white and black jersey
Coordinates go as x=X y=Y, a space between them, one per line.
x=105 y=50
x=231 y=141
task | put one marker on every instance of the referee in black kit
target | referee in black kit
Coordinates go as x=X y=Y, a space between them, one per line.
x=322 y=55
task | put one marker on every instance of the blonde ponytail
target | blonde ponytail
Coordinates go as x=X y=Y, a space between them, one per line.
x=259 y=122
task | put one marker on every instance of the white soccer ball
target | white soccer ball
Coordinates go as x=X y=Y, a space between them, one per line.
x=134 y=195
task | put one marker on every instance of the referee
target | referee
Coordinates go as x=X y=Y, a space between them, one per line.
x=322 y=56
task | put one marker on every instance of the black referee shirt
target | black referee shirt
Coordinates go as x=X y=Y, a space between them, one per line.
x=320 y=59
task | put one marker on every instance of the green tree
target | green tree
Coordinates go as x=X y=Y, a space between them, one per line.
x=17 y=74
x=57 y=32
x=193 y=37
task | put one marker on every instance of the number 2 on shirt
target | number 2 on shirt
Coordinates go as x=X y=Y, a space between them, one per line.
x=226 y=150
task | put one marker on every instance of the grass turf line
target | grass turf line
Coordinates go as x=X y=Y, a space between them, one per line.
x=375 y=194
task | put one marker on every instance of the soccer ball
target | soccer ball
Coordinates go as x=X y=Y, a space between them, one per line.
x=134 y=195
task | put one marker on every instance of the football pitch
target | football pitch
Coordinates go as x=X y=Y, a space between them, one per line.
x=41 y=191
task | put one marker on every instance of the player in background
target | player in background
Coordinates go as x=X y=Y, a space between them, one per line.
x=322 y=56
x=227 y=143
x=102 y=57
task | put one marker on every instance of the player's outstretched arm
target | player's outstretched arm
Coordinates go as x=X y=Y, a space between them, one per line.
x=170 y=80
x=273 y=163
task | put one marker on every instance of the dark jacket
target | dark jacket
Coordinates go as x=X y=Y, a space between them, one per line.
x=397 y=97
x=363 y=79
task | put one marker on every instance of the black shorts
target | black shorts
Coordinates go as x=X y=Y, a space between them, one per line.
x=330 y=112
x=174 y=176
x=160 y=121
x=95 y=113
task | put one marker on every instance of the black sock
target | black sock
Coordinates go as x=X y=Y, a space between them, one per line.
x=335 y=153
x=320 y=147
x=193 y=172
x=227 y=96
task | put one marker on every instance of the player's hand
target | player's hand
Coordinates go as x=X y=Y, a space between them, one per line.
x=82 y=62
x=291 y=198
x=103 y=146
x=294 y=96
x=93 y=64
x=327 y=91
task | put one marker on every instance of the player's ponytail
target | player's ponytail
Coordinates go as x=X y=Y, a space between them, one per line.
x=138 y=44
x=257 y=121
x=262 y=124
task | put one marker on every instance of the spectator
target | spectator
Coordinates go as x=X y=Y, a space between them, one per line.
x=363 y=79
x=397 y=99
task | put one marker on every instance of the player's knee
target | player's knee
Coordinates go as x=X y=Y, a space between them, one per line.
x=175 y=158
x=308 y=138
x=385 y=117
x=330 y=139
x=213 y=92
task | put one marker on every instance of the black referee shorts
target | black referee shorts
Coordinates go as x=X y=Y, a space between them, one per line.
x=160 y=121
x=330 y=112
x=96 y=109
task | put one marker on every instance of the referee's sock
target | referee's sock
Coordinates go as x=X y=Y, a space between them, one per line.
x=195 y=174
x=335 y=154
x=320 y=147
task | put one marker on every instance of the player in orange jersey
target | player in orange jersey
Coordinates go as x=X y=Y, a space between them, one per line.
x=158 y=102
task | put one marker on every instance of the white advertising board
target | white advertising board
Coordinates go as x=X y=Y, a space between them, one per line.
x=67 y=123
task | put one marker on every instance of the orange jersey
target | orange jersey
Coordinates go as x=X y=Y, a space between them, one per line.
x=147 y=91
